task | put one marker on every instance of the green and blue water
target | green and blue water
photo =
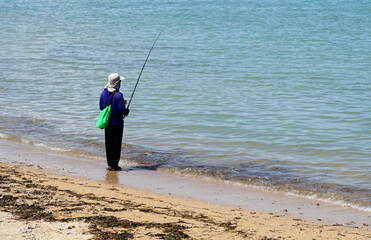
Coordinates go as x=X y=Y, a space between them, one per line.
x=271 y=94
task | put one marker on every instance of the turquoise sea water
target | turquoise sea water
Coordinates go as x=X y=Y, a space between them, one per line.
x=273 y=94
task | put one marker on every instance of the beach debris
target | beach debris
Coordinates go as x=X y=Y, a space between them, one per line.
x=350 y=223
x=228 y=225
x=337 y=224
x=267 y=238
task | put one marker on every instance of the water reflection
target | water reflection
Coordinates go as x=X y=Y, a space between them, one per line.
x=112 y=177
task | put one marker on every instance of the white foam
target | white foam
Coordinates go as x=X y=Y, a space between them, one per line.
x=42 y=145
x=330 y=201
x=26 y=141
x=3 y=135
x=313 y=197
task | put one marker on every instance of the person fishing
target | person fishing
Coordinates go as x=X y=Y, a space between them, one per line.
x=114 y=131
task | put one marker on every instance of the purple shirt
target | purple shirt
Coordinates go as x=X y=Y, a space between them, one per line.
x=118 y=105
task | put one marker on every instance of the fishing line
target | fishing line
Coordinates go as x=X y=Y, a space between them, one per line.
x=149 y=53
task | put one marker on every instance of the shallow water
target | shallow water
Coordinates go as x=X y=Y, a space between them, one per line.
x=274 y=94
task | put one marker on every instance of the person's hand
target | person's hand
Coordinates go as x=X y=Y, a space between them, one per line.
x=126 y=112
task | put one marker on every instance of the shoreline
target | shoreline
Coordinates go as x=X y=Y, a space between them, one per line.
x=193 y=189
x=342 y=201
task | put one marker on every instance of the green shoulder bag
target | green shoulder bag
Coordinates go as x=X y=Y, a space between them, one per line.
x=105 y=116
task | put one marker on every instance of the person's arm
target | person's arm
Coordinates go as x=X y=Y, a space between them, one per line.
x=101 y=102
x=126 y=111
x=121 y=106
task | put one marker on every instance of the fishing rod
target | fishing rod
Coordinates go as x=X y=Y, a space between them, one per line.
x=143 y=67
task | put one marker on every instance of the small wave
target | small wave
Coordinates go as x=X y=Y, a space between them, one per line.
x=330 y=201
x=301 y=194
x=32 y=143
x=40 y=145
x=314 y=197
x=4 y=136
x=297 y=194
x=266 y=186
x=45 y=146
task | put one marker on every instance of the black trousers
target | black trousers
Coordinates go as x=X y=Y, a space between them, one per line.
x=113 y=140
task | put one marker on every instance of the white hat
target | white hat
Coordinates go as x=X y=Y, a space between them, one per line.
x=113 y=78
x=114 y=82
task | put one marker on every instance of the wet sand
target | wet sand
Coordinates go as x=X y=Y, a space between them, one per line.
x=149 y=204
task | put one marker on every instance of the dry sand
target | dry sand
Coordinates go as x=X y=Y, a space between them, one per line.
x=37 y=205
x=11 y=229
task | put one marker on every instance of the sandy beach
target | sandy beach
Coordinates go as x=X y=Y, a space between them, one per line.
x=73 y=208
x=37 y=203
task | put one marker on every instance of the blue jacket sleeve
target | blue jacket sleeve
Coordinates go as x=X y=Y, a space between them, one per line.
x=120 y=104
x=101 y=101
